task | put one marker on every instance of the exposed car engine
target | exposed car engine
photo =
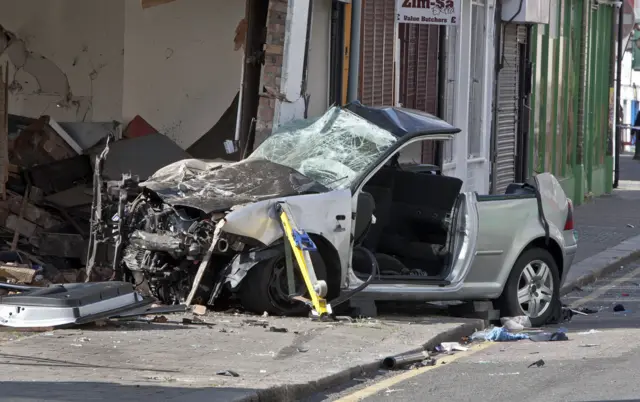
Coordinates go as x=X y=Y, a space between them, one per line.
x=163 y=248
x=160 y=246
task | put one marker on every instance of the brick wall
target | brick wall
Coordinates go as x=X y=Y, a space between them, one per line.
x=272 y=71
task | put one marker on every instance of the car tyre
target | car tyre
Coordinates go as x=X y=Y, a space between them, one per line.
x=264 y=286
x=527 y=293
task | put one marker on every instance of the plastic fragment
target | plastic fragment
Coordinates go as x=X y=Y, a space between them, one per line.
x=498 y=334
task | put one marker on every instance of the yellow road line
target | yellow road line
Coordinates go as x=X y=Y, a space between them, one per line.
x=603 y=289
x=390 y=382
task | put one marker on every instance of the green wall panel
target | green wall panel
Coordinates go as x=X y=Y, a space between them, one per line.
x=555 y=102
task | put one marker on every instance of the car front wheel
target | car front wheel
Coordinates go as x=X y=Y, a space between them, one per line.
x=265 y=288
x=532 y=289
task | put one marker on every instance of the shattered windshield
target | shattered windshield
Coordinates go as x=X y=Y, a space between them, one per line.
x=332 y=150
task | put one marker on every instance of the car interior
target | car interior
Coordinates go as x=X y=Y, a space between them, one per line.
x=413 y=217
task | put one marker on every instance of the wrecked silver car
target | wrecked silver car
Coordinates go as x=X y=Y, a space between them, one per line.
x=383 y=229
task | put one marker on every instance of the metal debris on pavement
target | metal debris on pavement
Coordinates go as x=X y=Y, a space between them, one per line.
x=559 y=335
x=585 y=310
x=228 y=373
x=195 y=321
x=405 y=360
x=538 y=363
x=256 y=323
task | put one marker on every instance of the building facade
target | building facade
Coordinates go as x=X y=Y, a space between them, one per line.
x=202 y=72
x=571 y=128
x=445 y=70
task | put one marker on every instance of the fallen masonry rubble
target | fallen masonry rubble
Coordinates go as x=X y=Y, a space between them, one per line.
x=45 y=205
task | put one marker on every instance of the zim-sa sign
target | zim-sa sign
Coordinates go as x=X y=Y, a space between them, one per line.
x=431 y=12
x=427 y=3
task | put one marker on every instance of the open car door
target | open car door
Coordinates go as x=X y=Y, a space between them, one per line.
x=463 y=237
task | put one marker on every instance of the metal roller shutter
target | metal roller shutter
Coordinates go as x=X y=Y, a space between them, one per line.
x=508 y=103
x=376 y=61
x=419 y=50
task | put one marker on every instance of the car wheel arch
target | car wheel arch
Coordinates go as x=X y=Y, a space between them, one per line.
x=327 y=252
x=539 y=242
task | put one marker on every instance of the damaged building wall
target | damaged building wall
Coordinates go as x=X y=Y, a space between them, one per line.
x=284 y=68
x=65 y=58
x=181 y=71
x=272 y=70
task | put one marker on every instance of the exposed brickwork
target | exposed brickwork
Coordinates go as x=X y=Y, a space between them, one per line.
x=272 y=71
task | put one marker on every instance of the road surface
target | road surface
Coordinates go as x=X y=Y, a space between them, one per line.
x=600 y=362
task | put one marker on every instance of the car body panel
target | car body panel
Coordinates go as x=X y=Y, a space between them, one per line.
x=319 y=169
x=313 y=213
x=423 y=291
x=498 y=229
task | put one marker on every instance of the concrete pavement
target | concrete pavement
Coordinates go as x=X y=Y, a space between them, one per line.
x=608 y=220
x=600 y=361
x=140 y=362
x=608 y=229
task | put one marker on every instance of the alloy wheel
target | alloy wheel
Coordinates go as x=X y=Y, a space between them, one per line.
x=535 y=289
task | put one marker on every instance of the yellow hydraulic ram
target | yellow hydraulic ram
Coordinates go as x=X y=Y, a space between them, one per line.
x=301 y=245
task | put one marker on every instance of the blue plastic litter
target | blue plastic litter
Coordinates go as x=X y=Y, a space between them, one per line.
x=498 y=334
x=303 y=241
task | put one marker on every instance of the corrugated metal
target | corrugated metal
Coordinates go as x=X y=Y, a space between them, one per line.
x=376 y=65
x=419 y=49
x=508 y=101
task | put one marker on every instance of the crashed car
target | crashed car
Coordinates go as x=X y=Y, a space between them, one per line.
x=386 y=229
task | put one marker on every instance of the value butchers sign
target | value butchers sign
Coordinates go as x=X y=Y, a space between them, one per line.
x=430 y=12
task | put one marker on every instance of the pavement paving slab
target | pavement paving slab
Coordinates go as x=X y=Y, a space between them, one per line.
x=139 y=360
x=608 y=229
x=604 y=222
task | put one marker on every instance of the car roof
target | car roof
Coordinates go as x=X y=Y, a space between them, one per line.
x=402 y=122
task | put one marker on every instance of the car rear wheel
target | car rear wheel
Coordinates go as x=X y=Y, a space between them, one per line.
x=265 y=288
x=532 y=289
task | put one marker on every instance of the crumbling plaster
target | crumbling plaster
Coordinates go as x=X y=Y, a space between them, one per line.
x=175 y=65
x=65 y=57
x=181 y=68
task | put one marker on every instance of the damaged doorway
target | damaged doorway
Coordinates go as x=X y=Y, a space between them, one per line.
x=239 y=118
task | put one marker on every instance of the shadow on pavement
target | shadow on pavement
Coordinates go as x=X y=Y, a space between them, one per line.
x=17 y=360
x=14 y=391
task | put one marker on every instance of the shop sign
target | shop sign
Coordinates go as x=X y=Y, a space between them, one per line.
x=429 y=12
